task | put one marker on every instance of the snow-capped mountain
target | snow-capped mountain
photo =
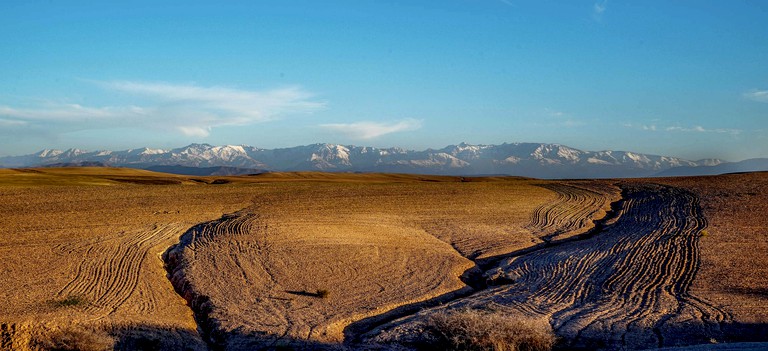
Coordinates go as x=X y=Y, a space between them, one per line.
x=523 y=159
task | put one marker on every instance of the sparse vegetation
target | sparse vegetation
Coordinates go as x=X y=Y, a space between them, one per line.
x=73 y=338
x=474 y=330
x=69 y=301
x=322 y=293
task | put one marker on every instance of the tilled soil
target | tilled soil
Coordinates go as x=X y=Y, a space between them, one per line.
x=626 y=287
x=673 y=264
x=379 y=255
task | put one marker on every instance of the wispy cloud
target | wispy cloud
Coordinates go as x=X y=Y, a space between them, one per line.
x=61 y=112
x=554 y=113
x=233 y=106
x=189 y=109
x=195 y=131
x=370 y=130
x=700 y=129
x=559 y=118
x=757 y=95
x=680 y=129
x=10 y=122
x=598 y=9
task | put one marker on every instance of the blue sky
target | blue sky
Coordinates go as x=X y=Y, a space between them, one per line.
x=679 y=78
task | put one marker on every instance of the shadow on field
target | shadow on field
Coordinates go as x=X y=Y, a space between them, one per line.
x=148 y=337
x=734 y=333
x=303 y=293
x=153 y=337
x=680 y=334
x=745 y=332
x=354 y=331
x=237 y=341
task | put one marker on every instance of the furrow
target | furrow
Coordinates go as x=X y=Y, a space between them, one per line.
x=614 y=290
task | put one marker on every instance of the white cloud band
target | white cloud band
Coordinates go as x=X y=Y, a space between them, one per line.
x=190 y=109
x=371 y=130
x=757 y=95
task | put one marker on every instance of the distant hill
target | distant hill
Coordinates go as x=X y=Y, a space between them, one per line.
x=204 y=171
x=77 y=164
x=751 y=165
x=536 y=160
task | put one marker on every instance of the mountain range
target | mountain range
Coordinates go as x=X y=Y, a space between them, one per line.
x=521 y=159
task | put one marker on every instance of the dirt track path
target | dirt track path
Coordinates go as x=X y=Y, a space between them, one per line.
x=627 y=287
x=572 y=213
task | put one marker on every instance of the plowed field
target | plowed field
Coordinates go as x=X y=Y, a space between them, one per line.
x=313 y=260
x=630 y=285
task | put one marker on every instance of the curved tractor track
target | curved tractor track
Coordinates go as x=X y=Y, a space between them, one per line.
x=110 y=271
x=627 y=287
x=576 y=206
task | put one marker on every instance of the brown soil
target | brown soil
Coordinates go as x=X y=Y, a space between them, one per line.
x=577 y=205
x=657 y=275
x=83 y=246
x=373 y=247
x=76 y=253
x=733 y=272
x=311 y=258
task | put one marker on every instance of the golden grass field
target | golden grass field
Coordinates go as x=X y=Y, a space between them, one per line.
x=309 y=260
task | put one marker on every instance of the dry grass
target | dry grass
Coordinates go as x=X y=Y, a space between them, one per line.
x=473 y=330
x=72 y=339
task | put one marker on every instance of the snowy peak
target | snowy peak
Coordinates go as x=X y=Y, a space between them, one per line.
x=709 y=162
x=465 y=151
x=142 y=151
x=331 y=152
x=48 y=153
x=539 y=160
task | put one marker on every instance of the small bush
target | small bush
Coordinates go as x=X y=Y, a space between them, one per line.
x=69 y=301
x=473 y=330
x=322 y=293
x=73 y=338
